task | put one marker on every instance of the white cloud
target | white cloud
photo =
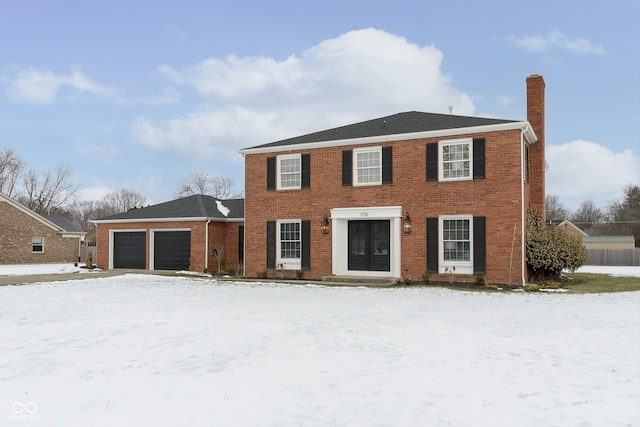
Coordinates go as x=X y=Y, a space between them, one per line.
x=582 y=170
x=32 y=86
x=556 y=39
x=252 y=100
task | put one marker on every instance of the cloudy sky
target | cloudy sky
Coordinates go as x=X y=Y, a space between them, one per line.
x=137 y=94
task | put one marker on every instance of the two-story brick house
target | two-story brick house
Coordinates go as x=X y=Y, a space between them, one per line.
x=399 y=196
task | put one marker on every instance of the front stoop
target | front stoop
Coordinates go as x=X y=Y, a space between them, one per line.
x=364 y=280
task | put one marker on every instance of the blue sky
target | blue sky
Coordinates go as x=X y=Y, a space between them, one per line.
x=137 y=94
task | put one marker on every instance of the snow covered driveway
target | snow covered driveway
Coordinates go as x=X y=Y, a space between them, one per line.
x=169 y=351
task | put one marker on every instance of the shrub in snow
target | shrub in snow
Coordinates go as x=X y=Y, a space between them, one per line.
x=551 y=249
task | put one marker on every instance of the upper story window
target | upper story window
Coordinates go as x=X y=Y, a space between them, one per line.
x=37 y=244
x=367 y=166
x=456 y=159
x=289 y=172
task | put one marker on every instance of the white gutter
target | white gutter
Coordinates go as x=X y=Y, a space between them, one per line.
x=523 y=254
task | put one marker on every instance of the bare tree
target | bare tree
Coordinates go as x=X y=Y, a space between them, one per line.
x=625 y=214
x=554 y=209
x=122 y=201
x=47 y=193
x=588 y=217
x=11 y=167
x=219 y=187
x=83 y=211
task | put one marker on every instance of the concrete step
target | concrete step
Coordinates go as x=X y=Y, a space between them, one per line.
x=365 y=280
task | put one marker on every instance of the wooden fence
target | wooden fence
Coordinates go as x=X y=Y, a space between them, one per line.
x=84 y=250
x=620 y=257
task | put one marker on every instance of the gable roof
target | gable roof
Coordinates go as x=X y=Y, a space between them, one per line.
x=57 y=226
x=194 y=207
x=65 y=224
x=390 y=127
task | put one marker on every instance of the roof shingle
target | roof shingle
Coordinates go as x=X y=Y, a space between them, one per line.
x=407 y=122
x=196 y=206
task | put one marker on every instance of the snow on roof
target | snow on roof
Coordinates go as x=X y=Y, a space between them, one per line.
x=222 y=208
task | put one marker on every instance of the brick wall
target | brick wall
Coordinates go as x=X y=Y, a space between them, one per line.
x=498 y=198
x=218 y=238
x=16 y=231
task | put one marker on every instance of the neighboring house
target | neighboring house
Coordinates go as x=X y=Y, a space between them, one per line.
x=569 y=227
x=399 y=197
x=29 y=238
x=180 y=234
x=609 y=242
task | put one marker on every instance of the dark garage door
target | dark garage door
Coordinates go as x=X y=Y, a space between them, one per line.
x=129 y=249
x=172 y=250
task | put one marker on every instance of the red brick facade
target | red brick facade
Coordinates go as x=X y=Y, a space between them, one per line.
x=497 y=197
x=222 y=235
x=18 y=227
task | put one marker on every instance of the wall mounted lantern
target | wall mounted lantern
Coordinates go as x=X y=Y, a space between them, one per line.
x=325 y=225
x=406 y=223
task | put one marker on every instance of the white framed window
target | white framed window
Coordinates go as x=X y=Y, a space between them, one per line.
x=289 y=172
x=456 y=244
x=456 y=159
x=289 y=244
x=367 y=166
x=37 y=244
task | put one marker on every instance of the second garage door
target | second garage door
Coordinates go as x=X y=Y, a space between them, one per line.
x=172 y=250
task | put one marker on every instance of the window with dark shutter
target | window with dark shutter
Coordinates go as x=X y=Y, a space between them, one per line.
x=432 y=162
x=479 y=245
x=306 y=171
x=306 y=245
x=271 y=173
x=271 y=244
x=387 y=165
x=478 y=158
x=347 y=167
x=241 y=244
x=432 y=245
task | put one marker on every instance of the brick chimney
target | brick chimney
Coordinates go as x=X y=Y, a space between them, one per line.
x=535 y=117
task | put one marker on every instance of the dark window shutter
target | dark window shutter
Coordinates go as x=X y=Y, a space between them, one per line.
x=347 y=167
x=479 y=245
x=271 y=244
x=271 y=173
x=432 y=162
x=306 y=170
x=241 y=244
x=478 y=158
x=432 y=245
x=306 y=245
x=387 y=165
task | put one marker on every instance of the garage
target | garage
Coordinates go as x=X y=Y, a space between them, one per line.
x=129 y=249
x=171 y=250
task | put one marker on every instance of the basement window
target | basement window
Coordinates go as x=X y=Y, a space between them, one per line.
x=37 y=244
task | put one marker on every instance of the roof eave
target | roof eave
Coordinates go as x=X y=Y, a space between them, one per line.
x=524 y=126
x=187 y=219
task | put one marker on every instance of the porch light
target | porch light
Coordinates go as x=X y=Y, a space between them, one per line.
x=325 y=225
x=406 y=223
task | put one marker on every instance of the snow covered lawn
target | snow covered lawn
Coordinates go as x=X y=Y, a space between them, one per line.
x=170 y=351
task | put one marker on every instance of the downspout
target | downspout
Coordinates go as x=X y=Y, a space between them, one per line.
x=523 y=254
x=206 y=245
